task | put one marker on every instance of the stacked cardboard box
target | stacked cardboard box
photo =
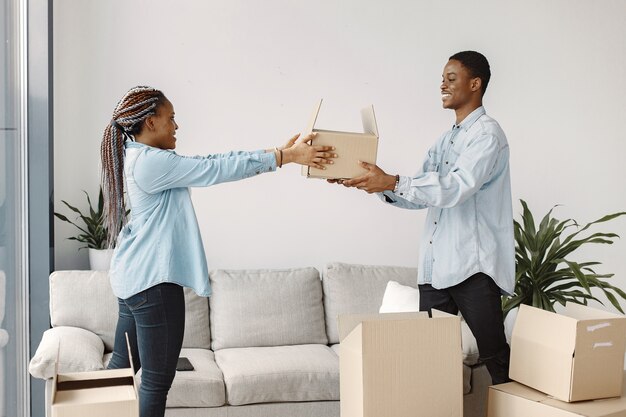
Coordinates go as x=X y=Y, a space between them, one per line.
x=568 y=364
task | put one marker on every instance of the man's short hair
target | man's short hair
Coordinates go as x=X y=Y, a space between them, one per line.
x=476 y=64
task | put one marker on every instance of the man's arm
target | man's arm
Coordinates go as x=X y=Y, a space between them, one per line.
x=472 y=170
x=377 y=181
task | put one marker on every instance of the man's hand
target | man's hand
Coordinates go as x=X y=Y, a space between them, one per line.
x=374 y=181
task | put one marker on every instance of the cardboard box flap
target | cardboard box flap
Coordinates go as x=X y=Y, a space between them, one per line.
x=304 y=169
x=109 y=395
x=348 y=322
x=130 y=358
x=534 y=326
x=437 y=313
x=369 y=121
x=582 y=312
x=313 y=119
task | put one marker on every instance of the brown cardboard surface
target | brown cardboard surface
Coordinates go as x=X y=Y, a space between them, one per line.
x=516 y=400
x=401 y=365
x=350 y=147
x=348 y=322
x=576 y=355
x=102 y=393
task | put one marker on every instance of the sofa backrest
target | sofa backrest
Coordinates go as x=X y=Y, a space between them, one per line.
x=266 y=308
x=356 y=289
x=84 y=299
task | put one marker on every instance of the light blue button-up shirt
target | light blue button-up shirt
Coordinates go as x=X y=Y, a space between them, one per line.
x=162 y=242
x=465 y=184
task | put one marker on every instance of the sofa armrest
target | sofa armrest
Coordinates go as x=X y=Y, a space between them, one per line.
x=4 y=338
x=77 y=349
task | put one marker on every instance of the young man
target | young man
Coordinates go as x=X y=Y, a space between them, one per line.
x=467 y=255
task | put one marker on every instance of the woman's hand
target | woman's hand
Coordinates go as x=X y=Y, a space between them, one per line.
x=304 y=153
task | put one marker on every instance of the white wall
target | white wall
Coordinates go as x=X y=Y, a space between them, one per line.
x=245 y=75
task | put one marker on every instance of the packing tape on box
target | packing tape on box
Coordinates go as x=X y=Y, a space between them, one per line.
x=598 y=327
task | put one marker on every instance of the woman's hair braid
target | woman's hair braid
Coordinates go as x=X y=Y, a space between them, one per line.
x=128 y=117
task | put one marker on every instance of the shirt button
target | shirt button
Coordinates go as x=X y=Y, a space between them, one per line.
x=431 y=242
x=435 y=222
x=446 y=162
x=258 y=172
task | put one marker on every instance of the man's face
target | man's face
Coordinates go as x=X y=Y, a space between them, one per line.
x=457 y=85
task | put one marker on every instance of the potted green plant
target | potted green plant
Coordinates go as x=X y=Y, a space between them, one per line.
x=544 y=275
x=93 y=232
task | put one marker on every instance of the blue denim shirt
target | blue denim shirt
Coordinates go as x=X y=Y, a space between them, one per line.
x=465 y=184
x=162 y=241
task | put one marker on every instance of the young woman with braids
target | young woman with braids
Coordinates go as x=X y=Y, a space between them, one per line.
x=160 y=250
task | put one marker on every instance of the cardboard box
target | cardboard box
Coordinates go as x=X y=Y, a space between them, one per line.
x=573 y=356
x=95 y=394
x=516 y=400
x=350 y=147
x=400 y=365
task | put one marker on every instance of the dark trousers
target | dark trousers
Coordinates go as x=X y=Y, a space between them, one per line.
x=154 y=320
x=478 y=300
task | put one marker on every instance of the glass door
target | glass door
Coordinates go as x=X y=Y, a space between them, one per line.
x=14 y=382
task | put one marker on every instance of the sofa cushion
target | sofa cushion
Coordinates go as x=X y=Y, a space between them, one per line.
x=197 y=333
x=77 y=350
x=279 y=373
x=202 y=387
x=84 y=299
x=352 y=289
x=255 y=308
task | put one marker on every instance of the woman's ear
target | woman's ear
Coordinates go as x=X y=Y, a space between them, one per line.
x=148 y=123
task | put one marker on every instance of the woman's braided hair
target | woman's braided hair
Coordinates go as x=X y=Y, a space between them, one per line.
x=128 y=117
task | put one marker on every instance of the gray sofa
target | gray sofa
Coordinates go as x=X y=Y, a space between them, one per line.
x=265 y=344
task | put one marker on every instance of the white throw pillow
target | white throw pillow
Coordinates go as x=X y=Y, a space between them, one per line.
x=80 y=350
x=400 y=298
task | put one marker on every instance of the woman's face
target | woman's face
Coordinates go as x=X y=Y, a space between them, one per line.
x=164 y=127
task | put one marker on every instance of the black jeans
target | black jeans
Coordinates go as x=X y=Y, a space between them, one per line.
x=155 y=322
x=478 y=300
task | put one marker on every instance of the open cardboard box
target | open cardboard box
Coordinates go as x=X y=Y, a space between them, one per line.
x=350 y=147
x=106 y=393
x=575 y=355
x=516 y=400
x=400 y=365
